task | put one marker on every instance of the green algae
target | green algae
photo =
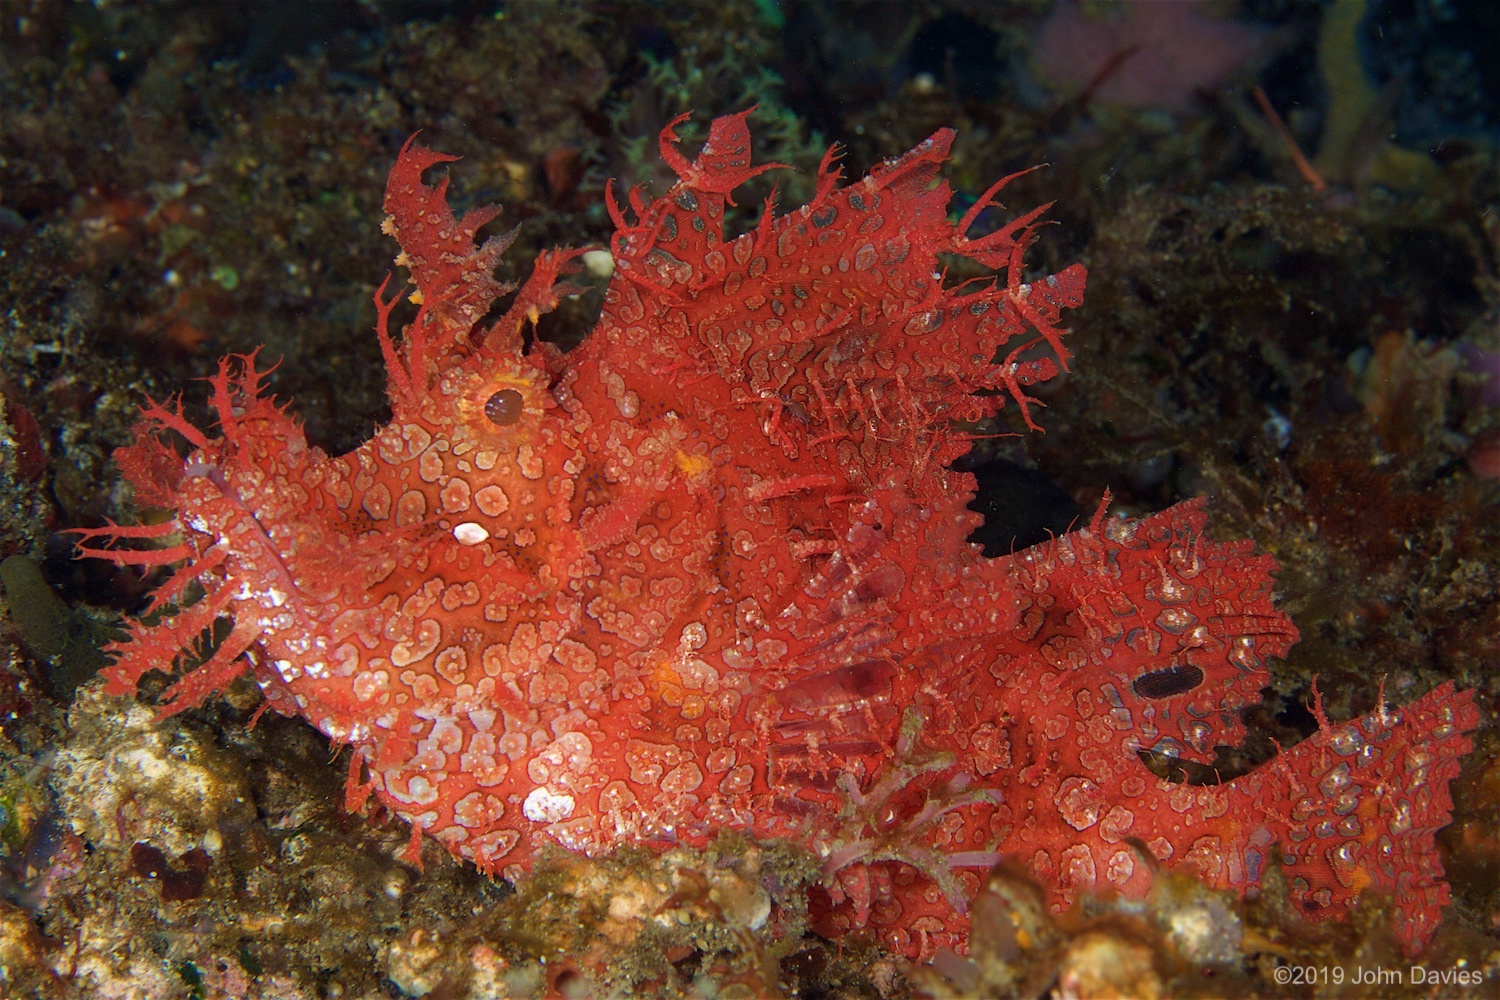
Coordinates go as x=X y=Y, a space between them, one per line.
x=69 y=641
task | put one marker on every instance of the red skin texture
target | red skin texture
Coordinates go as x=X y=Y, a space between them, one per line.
x=710 y=570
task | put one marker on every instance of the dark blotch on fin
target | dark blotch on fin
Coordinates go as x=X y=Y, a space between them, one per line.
x=1166 y=683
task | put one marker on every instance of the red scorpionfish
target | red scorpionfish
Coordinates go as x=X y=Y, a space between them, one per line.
x=711 y=570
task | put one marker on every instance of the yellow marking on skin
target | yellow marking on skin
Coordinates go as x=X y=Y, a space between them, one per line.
x=665 y=683
x=693 y=466
x=518 y=382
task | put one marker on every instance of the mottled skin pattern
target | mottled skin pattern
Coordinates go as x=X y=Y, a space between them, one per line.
x=710 y=570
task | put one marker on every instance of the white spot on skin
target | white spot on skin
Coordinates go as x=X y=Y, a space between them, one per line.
x=477 y=809
x=492 y=501
x=426 y=640
x=599 y=263
x=368 y=684
x=446 y=736
x=470 y=533
x=377 y=502
x=544 y=806
x=455 y=496
x=411 y=508
x=419 y=791
x=694 y=635
x=683 y=778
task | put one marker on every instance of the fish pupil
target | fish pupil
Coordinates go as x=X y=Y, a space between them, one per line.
x=504 y=407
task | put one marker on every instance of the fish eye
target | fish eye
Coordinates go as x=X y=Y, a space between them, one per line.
x=504 y=407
